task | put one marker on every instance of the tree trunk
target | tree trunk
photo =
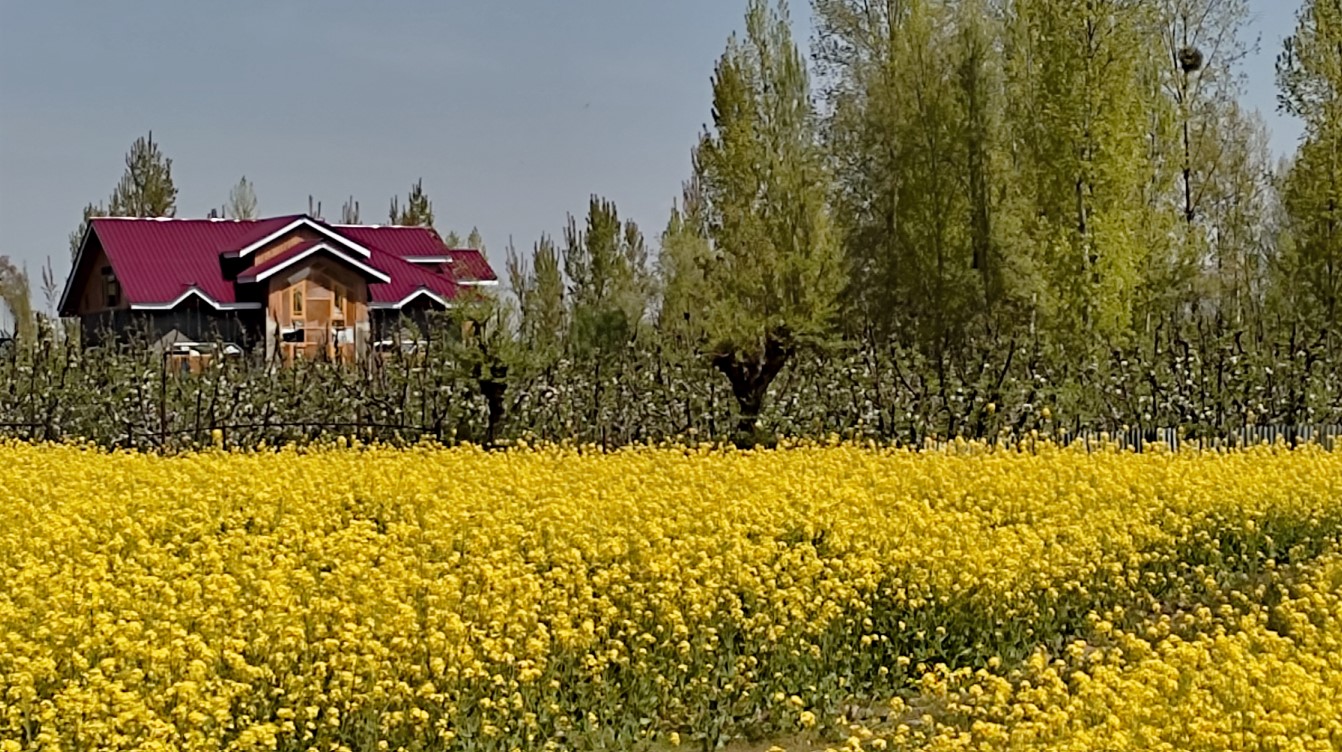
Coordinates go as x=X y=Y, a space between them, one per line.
x=494 y=387
x=750 y=374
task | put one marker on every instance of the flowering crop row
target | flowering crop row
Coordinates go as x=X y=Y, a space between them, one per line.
x=426 y=599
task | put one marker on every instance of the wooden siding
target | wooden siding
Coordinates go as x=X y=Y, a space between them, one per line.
x=283 y=244
x=89 y=283
x=317 y=280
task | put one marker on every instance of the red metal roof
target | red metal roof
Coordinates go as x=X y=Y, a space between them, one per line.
x=464 y=264
x=405 y=242
x=407 y=279
x=470 y=265
x=157 y=260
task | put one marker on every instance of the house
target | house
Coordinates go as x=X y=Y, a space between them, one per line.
x=295 y=285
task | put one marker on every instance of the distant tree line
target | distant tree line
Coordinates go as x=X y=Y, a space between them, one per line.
x=954 y=217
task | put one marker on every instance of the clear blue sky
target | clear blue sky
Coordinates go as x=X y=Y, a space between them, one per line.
x=512 y=112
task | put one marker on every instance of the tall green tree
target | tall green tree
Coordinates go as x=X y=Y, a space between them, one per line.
x=1199 y=137
x=77 y=236
x=1080 y=95
x=539 y=287
x=605 y=261
x=16 y=297
x=417 y=210
x=1309 y=75
x=146 y=189
x=775 y=268
x=913 y=90
x=474 y=240
x=1236 y=204
x=241 y=201
x=681 y=264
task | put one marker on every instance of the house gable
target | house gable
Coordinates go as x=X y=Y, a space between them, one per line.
x=297 y=254
x=87 y=292
x=197 y=295
x=318 y=304
x=280 y=245
x=303 y=223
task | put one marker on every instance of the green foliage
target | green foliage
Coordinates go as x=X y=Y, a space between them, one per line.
x=417 y=211
x=1206 y=381
x=1079 y=107
x=914 y=134
x=1312 y=264
x=775 y=260
x=241 y=201
x=146 y=188
x=774 y=268
x=681 y=265
x=539 y=288
x=1309 y=72
x=77 y=237
x=16 y=296
x=605 y=263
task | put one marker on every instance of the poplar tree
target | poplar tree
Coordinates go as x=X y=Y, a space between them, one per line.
x=241 y=201
x=539 y=287
x=417 y=211
x=605 y=261
x=914 y=133
x=146 y=189
x=1309 y=74
x=775 y=268
x=1200 y=147
x=475 y=241
x=16 y=297
x=1079 y=84
x=681 y=265
x=349 y=212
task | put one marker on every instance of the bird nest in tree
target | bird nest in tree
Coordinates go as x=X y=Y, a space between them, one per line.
x=1190 y=59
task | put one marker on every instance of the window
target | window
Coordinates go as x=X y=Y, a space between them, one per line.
x=338 y=305
x=295 y=333
x=297 y=297
x=111 y=288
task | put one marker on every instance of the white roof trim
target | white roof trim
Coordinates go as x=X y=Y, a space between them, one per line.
x=427 y=259
x=198 y=293
x=309 y=223
x=378 y=275
x=421 y=291
x=478 y=282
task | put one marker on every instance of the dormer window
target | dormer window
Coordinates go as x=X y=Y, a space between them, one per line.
x=111 y=289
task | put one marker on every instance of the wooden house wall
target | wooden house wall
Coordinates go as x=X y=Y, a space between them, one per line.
x=317 y=282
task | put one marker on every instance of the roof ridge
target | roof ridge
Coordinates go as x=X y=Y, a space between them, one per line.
x=383 y=227
x=196 y=219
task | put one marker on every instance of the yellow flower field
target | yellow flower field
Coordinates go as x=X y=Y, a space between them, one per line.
x=556 y=598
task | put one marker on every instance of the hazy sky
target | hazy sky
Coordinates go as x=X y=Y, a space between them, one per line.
x=512 y=112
